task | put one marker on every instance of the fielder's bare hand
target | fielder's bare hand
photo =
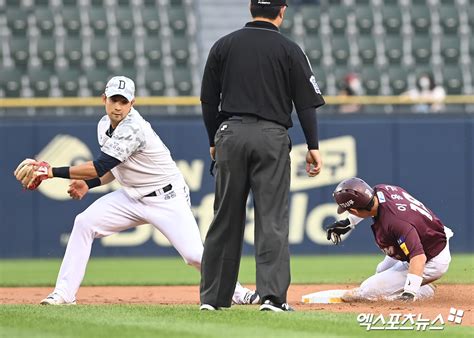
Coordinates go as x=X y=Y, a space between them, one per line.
x=77 y=189
x=313 y=162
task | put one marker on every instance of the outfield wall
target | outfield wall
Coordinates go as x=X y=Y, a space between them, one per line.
x=432 y=156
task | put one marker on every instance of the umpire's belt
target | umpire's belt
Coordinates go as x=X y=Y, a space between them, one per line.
x=160 y=191
x=245 y=118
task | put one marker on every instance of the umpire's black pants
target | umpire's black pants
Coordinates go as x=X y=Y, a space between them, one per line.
x=250 y=154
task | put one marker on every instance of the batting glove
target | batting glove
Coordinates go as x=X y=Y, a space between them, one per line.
x=336 y=229
x=412 y=286
x=406 y=297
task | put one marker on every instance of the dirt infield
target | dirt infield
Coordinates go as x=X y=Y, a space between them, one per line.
x=447 y=296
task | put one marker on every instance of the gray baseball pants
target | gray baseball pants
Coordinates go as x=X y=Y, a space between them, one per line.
x=251 y=154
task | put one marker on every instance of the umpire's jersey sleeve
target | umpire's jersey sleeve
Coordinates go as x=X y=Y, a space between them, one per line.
x=305 y=92
x=211 y=86
x=210 y=94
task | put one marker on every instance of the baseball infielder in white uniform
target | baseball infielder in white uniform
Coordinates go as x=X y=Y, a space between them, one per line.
x=153 y=191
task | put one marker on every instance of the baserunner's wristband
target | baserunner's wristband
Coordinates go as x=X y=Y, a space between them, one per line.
x=413 y=283
x=94 y=182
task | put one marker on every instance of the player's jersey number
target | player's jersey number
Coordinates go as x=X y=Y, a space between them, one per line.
x=415 y=205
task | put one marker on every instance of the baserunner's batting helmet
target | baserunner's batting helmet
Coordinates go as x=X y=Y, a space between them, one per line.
x=352 y=193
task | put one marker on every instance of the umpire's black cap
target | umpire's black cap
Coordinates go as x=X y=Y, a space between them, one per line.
x=269 y=3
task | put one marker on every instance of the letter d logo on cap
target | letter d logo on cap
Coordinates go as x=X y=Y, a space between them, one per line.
x=120 y=85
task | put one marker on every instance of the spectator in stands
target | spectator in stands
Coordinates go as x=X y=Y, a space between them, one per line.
x=426 y=89
x=352 y=87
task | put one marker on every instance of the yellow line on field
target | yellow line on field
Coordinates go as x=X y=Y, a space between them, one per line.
x=38 y=102
x=95 y=101
x=394 y=100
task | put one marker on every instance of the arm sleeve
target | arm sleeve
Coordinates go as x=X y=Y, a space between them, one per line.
x=408 y=239
x=309 y=124
x=210 y=94
x=354 y=219
x=212 y=120
x=104 y=163
x=305 y=91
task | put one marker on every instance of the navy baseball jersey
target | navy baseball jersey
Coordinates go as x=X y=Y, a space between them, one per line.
x=404 y=227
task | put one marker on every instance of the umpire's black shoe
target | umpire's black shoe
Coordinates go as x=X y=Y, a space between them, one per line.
x=268 y=305
x=208 y=307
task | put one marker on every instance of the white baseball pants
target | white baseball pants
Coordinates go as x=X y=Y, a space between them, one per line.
x=170 y=213
x=391 y=274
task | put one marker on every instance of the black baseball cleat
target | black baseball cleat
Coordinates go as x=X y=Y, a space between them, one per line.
x=268 y=305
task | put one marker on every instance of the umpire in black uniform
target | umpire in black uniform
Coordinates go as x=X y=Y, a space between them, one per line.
x=254 y=75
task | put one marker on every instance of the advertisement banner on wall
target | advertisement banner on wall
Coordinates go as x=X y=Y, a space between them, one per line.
x=380 y=150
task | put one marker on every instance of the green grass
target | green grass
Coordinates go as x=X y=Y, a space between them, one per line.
x=185 y=321
x=173 y=271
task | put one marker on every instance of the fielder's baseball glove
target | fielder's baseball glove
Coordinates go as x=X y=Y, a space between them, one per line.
x=31 y=173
